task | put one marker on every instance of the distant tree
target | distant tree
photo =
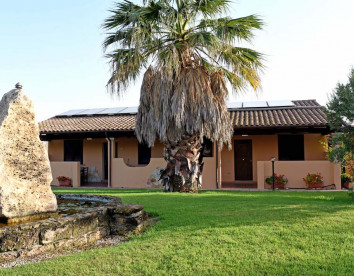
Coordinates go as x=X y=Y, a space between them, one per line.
x=340 y=114
x=187 y=50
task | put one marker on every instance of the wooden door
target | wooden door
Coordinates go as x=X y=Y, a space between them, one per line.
x=243 y=160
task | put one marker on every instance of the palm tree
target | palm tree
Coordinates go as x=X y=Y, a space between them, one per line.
x=189 y=55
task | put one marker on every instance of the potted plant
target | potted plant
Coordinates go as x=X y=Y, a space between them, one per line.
x=279 y=181
x=64 y=181
x=346 y=179
x=313 y=180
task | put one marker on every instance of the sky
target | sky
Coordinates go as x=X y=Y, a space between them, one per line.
x=54 y=49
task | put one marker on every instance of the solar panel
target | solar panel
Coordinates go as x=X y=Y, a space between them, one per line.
x=129 y=110
x=91 y=111
x=234 y=105
x=110 y=111
x=255 y=104
x=72 y=112
x=280 y=103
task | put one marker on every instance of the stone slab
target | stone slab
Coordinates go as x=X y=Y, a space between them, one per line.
x=25 y=173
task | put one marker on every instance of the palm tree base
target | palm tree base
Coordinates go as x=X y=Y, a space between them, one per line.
x=184 y=167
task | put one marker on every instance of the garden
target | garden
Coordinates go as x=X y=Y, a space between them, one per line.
x=223 y=233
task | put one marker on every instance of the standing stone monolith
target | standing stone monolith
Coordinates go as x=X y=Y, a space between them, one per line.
x=25 y=173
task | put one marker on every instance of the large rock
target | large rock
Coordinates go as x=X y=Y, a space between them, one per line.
x=25 y=174
x=154 y=181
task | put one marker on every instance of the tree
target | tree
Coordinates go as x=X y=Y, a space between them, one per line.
x=188 y=54
x=340 y=114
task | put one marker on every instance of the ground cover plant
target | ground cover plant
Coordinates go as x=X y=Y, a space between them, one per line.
x=223 y=233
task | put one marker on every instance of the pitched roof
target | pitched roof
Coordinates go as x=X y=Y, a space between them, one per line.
x=305 y=113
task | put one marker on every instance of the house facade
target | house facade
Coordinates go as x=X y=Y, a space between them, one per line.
x=98 y=147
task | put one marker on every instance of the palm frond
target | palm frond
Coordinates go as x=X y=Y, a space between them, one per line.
x=190 y=54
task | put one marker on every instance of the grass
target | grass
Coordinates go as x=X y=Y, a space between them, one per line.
x=224 y=233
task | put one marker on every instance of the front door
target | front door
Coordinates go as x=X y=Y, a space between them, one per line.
x=243 y=159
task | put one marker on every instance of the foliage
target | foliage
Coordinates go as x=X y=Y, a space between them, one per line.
x=351 y=193
x=340 y=114
x=278 y=179
x=222 y=233
x=312 y=178
x=346 y=178
x=63 y=178
x=187 y=50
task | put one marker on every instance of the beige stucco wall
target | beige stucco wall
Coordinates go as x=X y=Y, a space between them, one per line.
x=93 y=154
x=68 y=169
x=209 y=171
x=296 y=170
x=124 y=176
x=313 y=147
x=128 y=175
x=264 y=147
x=56 y=150
x=128 y=150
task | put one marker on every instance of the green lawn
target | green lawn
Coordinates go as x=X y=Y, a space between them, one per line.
x=223 y=233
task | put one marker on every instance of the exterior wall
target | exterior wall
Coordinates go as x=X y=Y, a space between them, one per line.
x=124 y=176
x=264 y=147
x=128 y=150
x=296 y=170
x=56 y=150
x=69 y=169
x=313 y=148
x=209 y=171
x=126 y=172
x=93 y=154
x=128 y=175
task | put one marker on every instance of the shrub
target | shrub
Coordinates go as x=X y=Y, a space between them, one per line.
x=278 y=179
x=346 y=178
x=312 y=178
x=63 y=178
x=351 y=194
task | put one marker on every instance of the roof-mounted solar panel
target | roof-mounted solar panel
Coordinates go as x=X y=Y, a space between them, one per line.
x=255 y=104
x=280 y=103
x=71 y=112
x=110 y=111
x=234 y=105
x=129 y=110
x=92 y=111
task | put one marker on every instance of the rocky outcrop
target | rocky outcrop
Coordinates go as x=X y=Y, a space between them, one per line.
x=25 y=174
x=81 y=228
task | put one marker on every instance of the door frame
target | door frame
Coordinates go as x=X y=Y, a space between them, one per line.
x=235 y=163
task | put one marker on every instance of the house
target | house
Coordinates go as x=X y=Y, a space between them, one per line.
x=102 y=142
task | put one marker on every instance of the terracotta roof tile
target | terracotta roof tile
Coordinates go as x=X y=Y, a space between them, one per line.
x=304 y=113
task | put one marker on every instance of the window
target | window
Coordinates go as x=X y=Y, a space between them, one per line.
x=291 y=147
x=73 y=150
x=207 y=148
x=144 y=154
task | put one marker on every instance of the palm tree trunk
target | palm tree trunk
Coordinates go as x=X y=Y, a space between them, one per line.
x=183 y=172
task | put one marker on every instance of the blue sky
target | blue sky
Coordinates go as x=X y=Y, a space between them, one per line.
x=54 y=49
